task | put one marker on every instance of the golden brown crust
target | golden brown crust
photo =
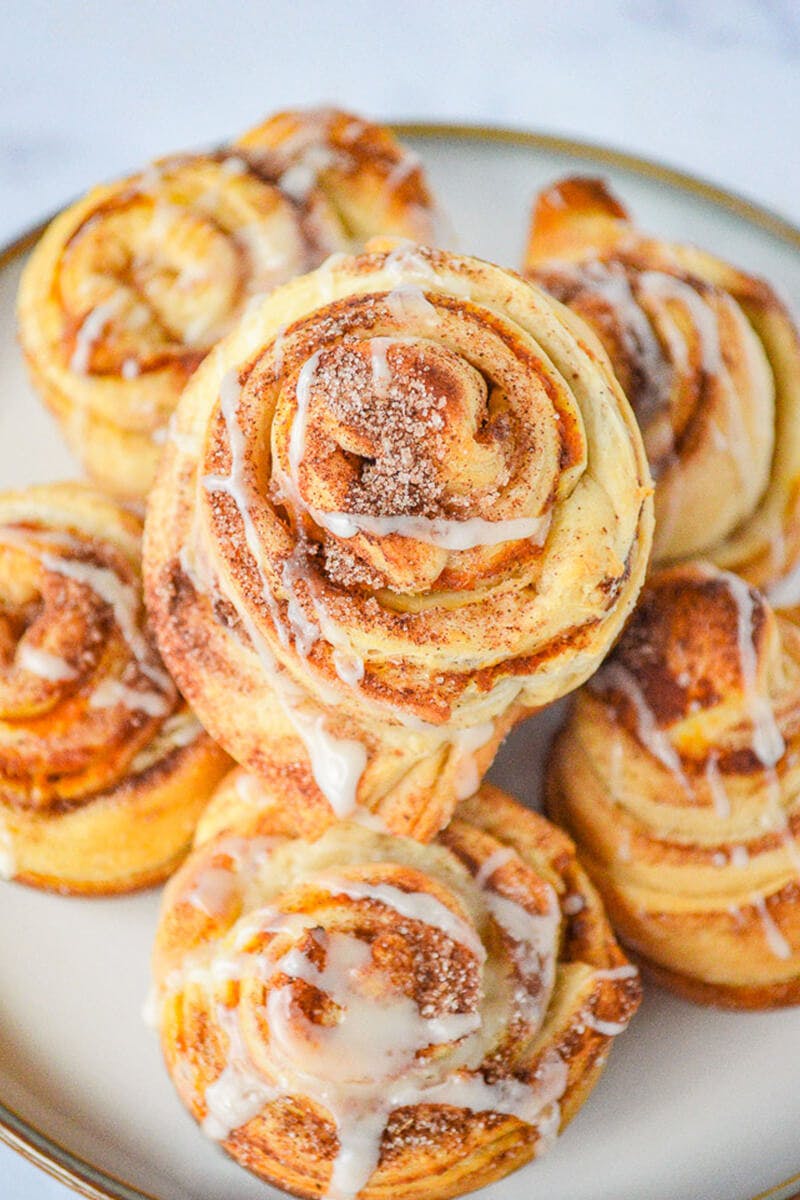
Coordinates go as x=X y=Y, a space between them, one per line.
x=677 y=775
x=131 y=286
x=710 y=359
x=103 y=770
x=374 y=184
x=493 y=935
x=322 y=543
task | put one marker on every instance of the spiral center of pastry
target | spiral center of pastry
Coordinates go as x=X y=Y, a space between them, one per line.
x=387 y=412
x=353 y=998
x=81 y=686
x=360 y=1021
x=401 y=453
x=160 y=272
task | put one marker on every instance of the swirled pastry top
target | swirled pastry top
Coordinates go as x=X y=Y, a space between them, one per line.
x=84 y=696
x=413 y=480
x=131 y=286
x=361 y=1013
x=710 y=361
x=678 y=775
x=374 y=184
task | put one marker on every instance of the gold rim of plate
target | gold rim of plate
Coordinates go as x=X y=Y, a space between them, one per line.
x=56 y=1160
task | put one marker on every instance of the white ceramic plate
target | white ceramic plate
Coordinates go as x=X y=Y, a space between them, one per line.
x=694 y=1102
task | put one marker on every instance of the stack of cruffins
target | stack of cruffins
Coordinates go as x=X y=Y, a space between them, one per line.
x=399 y=499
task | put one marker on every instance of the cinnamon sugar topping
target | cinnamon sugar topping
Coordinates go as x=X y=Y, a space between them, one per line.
x=396 y=416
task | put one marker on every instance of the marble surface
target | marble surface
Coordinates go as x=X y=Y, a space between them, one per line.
x=89 y=89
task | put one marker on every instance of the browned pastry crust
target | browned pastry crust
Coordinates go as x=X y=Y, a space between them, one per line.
x=130 y=287
x=374 y=184
x=365 y=1014
x=677 y=774
x=405 y=503
x=103 y=769
x=710 y=359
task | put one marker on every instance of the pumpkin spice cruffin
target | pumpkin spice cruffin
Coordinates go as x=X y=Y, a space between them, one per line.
x=368 y=503
x=709 y=357
x=131 y=286
x=362 y=1014
x=677 y=775
x=103 y=768
x=404 y=503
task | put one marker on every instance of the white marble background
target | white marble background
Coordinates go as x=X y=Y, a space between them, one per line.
x=90 y=89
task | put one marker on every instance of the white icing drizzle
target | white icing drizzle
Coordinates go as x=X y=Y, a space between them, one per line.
x=627 y=971
x=234 y=165
x=110 y=692
x=215 y=886
x=739 y=856
x=336 y=763
x=610 y=282
x=408 y=303
x=349 y=666
x=232 y=485
x=381 y=370
x=300 y=179
x=465 y=742
x=573 y=904
x=439 y=531
x=40 y=662
x=212 y=891
x=663 y=286
x=442 y=532
x=123 y=599
x=722 y=804
x=179 y=730
x=91 y=330
x=407 y=163
x=365 y=1065
x=668 y=287
x=535 y=936
x=325 y=275
x=624 y=847
x=408 y=263
x=416 y=906
x=373 y=1030
x=305 y=631
x=652 y=738
x=496 y=860
x=240 y=1092
x=774 y=938
x=131 y=369
x=606 y=1028
x=768 y=743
